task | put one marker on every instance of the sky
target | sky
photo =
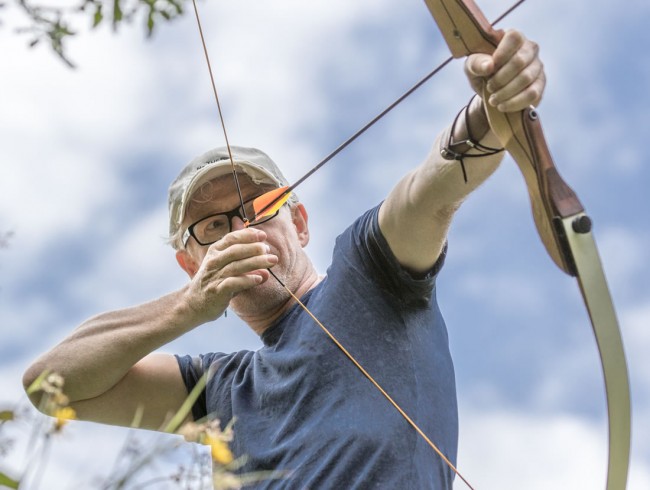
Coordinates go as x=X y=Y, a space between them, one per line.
x=86 y=157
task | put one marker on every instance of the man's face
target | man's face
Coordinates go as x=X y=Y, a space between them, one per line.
x=286 y=235
x=215 y=208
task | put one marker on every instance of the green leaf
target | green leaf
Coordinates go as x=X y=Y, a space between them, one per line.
x=7 y=416
x=36 y=385
x=150 y=24
x=6 y=481
x=117 y=13
x=186 y=407
x=177 y=6
x=98 y=17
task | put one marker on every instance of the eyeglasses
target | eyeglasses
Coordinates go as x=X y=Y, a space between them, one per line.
x=212 y=228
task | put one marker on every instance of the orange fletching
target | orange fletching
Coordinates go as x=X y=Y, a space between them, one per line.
x=270 y=202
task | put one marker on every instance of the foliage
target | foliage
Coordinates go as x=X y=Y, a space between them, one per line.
x=215 y=468
x=53 y=24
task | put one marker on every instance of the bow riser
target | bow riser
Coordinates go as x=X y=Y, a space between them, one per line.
x=551 y=198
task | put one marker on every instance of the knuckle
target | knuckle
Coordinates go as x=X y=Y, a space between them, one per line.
x=519 y=60
x=527 y=77
x=226 y=241
x=536 y=92
x=517 y=37
x=534 y=47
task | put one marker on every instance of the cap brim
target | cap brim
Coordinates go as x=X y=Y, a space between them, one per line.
x=258 y=175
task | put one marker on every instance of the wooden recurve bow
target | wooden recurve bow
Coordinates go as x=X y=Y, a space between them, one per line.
x=563 y=225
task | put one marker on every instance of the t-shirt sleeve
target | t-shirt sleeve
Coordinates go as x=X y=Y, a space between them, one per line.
x=366 y=251
x=192 y=369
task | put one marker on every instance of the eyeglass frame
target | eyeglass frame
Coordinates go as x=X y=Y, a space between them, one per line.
x=233 y=213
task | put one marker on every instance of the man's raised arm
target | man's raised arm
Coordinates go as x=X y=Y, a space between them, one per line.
x=417 y=213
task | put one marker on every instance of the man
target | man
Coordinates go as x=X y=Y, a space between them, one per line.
x=299 y=403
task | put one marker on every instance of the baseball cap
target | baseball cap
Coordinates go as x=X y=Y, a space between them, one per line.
x=215 y=163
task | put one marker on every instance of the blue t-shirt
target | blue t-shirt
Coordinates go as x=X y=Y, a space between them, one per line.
x=302 y=406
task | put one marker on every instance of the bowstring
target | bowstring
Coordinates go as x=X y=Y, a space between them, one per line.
x=223 y=125
x=374 y=382
x=329 y=157
x=374 y=120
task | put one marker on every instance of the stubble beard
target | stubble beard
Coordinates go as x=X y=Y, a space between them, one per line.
x=261 y=300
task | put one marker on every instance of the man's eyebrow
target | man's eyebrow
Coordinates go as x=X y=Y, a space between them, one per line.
x=199 y=210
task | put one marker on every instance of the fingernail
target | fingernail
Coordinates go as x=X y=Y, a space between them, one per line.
x=492 y=100
x=267 y=249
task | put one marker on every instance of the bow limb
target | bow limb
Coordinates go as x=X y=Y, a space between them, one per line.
x=563 y=226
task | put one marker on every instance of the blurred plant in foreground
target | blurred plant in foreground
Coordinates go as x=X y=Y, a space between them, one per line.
x=53 y=22
x=136 y=465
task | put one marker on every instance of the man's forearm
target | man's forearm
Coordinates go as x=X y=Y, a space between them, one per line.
x=452 y=180
x=99 y=353
x=417 y=213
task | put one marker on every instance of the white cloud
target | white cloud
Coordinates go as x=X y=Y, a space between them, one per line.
x=289 y=75
x=625 y=255
x=635 y=323
x=510 y=449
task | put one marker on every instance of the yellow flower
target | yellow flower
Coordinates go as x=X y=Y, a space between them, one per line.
x=62 y=416
x=220 y=450
x=52 y=384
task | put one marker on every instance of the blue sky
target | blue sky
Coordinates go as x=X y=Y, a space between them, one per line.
x=86 y=157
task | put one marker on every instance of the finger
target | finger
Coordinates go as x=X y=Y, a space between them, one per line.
x=528 y=85
x=511 y=42
x=247 y=266
x=237 y=259
x=236 y=245
x=530 y=96
x=236 y=251
x=511 y=61
x=246 y=235
x=479 y=65
x=235 y=277
x=232 y=286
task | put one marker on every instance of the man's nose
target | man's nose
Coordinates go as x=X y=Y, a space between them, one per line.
x=237 y=223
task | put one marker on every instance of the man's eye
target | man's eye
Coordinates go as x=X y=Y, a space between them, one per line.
x=215 y=224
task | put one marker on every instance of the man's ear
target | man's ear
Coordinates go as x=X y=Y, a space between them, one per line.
x=187 y=263
x=300 y=221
